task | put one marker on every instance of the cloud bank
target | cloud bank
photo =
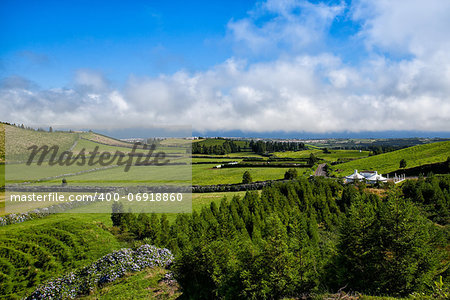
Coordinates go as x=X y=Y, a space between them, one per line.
x=290 y=81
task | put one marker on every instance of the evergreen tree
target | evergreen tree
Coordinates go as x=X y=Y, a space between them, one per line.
x=387 y=249
x=117 y=214
x=291 y=174
x=402 y=163
x=247 y=177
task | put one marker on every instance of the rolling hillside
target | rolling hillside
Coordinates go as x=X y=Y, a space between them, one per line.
x=333 y=155
x=218 y=142
x=35 y=251
x=388 y=162
x=17 y=140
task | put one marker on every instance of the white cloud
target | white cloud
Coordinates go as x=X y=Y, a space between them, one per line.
x=90 y=80
x=298 y=91
x=286 y=26
x=405 y=26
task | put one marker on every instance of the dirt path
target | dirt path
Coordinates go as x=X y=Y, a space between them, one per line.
x=320 y=171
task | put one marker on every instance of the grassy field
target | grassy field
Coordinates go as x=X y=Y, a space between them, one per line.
x=217 y=142
x=210 y=160
x=89 y=146
x=2 y=175
x=175 y=142
x=202 y=174
x=17 y=140
x=37 y=250
x=147 y=284
x=334 y=155
x=388 y=162
x=2 y=142
x=99 y=138
x=238 y=154
x=205 y=174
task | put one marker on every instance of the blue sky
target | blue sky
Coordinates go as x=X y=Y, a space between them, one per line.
x=224 y=66
x=47 y=41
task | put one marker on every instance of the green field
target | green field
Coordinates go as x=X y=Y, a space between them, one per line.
x=217 y=142
x=205 y=174
x=145 y=284
x=37 y=250
x=89 y=146
x=40 y=249
x=238 y=154
x=17 y=140
x=334 y=155
x=388 y=162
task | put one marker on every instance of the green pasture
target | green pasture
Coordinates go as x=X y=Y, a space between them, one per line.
x=218 y=142
x=145 y=284
x=334 y=155
x=37 y=250
x=222 y=160
x=206 y=174
x=235 y=154
x=17 y=141
x=388 y=162
x=89 y=146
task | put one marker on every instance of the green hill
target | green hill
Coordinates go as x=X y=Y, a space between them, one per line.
x=388 y=162
x=17 y=140
x=218 y=142
x=35 y=251
x=147 y=284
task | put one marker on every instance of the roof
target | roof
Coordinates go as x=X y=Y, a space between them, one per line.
x=355 y=175
x=376 y=177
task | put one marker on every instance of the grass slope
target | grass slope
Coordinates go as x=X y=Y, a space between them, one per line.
x=2 y=142
x=388 y=162
x=35 y=251
x=103 y=139
x=17 y=140
x=205 y=174
x=219 y=142
x=147 y=284
x=334 y=155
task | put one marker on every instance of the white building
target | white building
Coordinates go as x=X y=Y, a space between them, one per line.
x=369 y=176
x=354 y=177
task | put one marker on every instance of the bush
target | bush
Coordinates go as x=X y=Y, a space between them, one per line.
x=291 y=174
x=247 y=177
x=107 y=269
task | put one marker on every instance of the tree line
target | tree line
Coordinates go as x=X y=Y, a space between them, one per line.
x=263 y=147
x=227 y=147
x=305 y=237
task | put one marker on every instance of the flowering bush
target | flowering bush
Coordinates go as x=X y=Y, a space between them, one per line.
x=107 y=269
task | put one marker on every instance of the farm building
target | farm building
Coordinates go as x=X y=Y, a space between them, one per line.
x=369 y=176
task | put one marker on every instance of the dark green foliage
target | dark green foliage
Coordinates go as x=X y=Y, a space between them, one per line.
x=33 y=252
x=402 y=164
x=386 y=248
x=258 y=247
x=291 y=174
x=301 y=237
x=117 y=214
x=263 y=147
x=312 y=159
x=247 y=177
x=432 y=195
x=227 y=147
